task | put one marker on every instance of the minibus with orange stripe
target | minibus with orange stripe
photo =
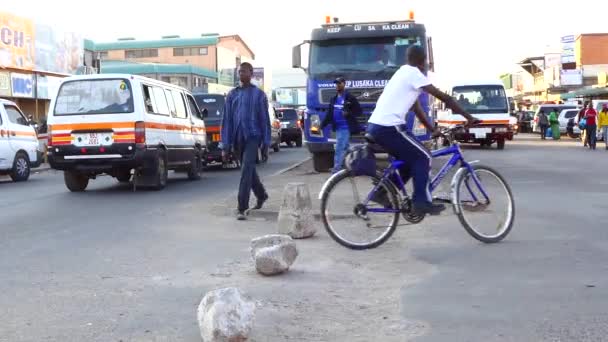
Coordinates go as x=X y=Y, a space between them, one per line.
x=486 y=101
x=19 y=151
x=126 y=126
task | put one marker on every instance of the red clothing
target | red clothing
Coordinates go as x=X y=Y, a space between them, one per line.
x=591 y=116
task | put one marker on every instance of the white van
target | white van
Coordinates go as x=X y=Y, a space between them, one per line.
x=486 y=101
x=19 y=151
x=124 y=126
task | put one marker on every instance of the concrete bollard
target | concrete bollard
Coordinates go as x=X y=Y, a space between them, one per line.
x=295 y=216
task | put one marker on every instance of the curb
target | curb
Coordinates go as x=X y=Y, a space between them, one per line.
x=291 y=167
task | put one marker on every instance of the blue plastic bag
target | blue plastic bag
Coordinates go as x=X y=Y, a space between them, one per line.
x=549 y=133
x=582 y=124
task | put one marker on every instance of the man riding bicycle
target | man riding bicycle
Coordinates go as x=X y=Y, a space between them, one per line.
x=387 y=125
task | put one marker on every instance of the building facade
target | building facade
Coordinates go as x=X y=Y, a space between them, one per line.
x=193 y=63
x=578 y=72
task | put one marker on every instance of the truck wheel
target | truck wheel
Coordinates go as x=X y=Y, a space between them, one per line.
x=500 y=144
x=75 y=181
x=323 y=161
x=21 y=168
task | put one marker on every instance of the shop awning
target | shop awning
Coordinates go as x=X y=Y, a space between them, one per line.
x=586 y=92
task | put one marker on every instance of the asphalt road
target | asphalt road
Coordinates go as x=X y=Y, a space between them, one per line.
x=110 y=264
x=113 y=265
x=548 y=281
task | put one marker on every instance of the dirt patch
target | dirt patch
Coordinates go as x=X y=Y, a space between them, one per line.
x=331 y=293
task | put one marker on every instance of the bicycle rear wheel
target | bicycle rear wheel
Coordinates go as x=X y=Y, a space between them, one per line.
x=484 y=204
x=351 y=221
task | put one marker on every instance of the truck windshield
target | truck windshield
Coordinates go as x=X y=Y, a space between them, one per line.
x=94 y=96
x=214 y=104
x=482 y=99
x=379 y=55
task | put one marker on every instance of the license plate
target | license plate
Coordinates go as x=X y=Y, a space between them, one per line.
x=93 y=139
x=480 y=133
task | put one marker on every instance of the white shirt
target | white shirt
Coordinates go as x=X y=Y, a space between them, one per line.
x=399 y=95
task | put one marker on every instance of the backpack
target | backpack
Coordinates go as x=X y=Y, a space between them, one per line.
x=360 y=160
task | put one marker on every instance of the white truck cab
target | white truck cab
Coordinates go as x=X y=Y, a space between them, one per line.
x=486 y=101
x=19 y=151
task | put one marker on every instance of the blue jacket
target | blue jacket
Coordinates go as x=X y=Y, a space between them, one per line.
x=245 y=117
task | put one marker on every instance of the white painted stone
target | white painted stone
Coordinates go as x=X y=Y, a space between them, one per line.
x=295 y=216
x=273 y=254
x=225 y=315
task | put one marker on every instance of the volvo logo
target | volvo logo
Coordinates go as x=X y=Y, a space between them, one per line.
x=365 y=95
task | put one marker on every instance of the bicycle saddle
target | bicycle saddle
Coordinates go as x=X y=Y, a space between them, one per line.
x=371 y=142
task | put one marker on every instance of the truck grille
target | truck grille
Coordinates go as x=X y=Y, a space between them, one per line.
x=363 y=95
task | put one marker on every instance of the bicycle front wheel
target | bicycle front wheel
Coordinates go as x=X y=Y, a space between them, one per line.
x=484 y=203
x=352 y=220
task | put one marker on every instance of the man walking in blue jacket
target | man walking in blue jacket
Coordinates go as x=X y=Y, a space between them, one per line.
x=245 y=128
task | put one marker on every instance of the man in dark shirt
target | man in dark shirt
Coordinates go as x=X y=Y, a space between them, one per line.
x=342 y=115
x=246 y=128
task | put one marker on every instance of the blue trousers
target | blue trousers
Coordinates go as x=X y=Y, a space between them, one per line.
x=342 y=140
x=249 y=176
x=403 y=146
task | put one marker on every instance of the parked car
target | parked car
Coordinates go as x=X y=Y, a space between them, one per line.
x=548 y=108
x=19 y=151
x=291 y=131
x=565 y=116
x=275 y=132
x=123 y=125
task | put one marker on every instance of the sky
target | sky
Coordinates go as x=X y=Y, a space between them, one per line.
x=471 y=39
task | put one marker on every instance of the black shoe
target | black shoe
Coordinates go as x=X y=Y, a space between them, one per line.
x=241 y=216
x=428 y=208
x=261 y=202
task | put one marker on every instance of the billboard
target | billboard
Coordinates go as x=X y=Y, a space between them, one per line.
x=58 y=51
x=568 y=55
x=571 y=77
x=27 y=45
x=47 y=86
x=22 y=85
x=5 y=84
x=16 y=42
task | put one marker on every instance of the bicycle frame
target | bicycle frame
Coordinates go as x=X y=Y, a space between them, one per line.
x=392 y=170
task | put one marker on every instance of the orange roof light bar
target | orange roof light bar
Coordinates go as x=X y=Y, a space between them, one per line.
x=327 y=19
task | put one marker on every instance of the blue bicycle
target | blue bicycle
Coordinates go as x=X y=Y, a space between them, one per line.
x=480 y=196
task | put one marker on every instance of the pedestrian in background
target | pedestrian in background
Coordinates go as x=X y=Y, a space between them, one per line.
x=554 y=122
x=246 y=128
x=591 y=125
x=543 y=122
x=602 y=123
x=579 y=118
x=342 y=115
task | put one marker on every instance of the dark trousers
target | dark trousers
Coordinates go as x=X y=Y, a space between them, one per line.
x=591 y=135
x=249 y=176
x=543 y=131
x=405 y=147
